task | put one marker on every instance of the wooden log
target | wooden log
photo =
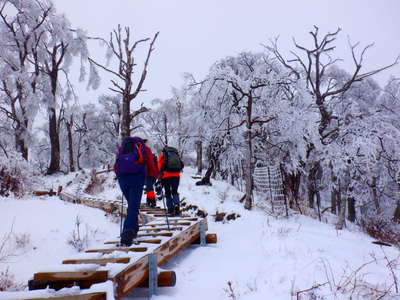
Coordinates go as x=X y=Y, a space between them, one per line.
x=164 y=278
x=149 y=241
x=89 y=296
x=184 y=239
x=161 y=229
x=110 y=250
x=43 y=193
x=99 y=261
x=59 y=280
x=211 y=238
x=154 y=234
x=98 y=276
x=171 y=223
x=182 y=217
x=148 y=209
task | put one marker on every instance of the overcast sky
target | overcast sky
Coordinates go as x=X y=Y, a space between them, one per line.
x=195 y=34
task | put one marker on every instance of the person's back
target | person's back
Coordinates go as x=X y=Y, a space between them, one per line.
x=170 y=166
x=134 y=162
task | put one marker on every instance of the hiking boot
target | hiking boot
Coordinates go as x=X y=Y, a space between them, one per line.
x=151 y=202
x=127 y=237
x=177 y=211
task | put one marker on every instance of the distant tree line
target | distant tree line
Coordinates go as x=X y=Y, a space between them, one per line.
x=333 y=133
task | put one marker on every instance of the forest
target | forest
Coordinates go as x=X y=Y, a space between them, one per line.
x=333 y=133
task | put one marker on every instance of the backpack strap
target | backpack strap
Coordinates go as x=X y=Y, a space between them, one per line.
x=140 y=150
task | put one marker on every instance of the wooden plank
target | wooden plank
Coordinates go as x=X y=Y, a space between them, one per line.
x=171 y=223
x=169 y=249
x=131 y=277
x=161 y=229
x=99 y=261
x=110 y=250
x=136 y=273
x=148 y=209
x=98 y=276
x=149 y=241
x=154 y=234
x=59 y=280
x=89 y=296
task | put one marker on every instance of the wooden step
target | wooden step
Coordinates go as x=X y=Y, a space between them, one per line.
x=99 y=261
x=110 y=250
x=171 y=223
x=74 y=275
x=148 y=241
x=161 y=229
x=89 y=296
x=59 y=280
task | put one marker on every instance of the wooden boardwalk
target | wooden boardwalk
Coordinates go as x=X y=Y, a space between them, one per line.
x=92 y=274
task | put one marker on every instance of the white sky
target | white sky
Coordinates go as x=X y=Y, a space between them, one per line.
x=194 y=34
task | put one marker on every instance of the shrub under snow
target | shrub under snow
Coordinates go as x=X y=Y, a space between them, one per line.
x=382 y=228
x=17 y=176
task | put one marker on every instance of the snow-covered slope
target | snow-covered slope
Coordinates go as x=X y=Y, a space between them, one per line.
x=257 y=256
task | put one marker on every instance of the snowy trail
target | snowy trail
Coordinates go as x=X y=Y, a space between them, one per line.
x=263 y=257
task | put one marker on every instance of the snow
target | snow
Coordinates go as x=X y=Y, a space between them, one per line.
x=258 y=255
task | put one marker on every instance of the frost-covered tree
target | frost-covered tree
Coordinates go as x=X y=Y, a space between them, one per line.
x=232 y=104
x=22 y=23
x=317 y=66
x=60 y=45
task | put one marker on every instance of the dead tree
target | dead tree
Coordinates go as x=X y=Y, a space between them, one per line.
x=199 y=156
x=68 y=124
x=123 y=49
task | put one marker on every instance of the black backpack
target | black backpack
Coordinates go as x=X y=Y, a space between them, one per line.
x=172 y=161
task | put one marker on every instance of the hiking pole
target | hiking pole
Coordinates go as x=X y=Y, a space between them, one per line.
x=160 y=195
x=120 y=213
x=166 y=212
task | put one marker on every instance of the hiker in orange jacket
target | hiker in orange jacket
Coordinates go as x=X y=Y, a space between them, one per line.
x=170 y=166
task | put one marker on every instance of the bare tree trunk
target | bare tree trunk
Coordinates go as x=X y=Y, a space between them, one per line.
x=291 y=184
x=310 y=194
x=249 y=156
x=199 y=157
x=21 y=145
x=165 y=128
x=206 y=179
x=375 y=194
x=125 y=118
x=396 y=216
x=312 y=184
x=334 y=200
x=342 y=214
x=351 y=216
x=70 y=144
x=318 y=204
x=342 y=211
x=54 y=144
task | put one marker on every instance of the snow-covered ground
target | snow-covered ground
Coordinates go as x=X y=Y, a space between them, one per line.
x=257 y=255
